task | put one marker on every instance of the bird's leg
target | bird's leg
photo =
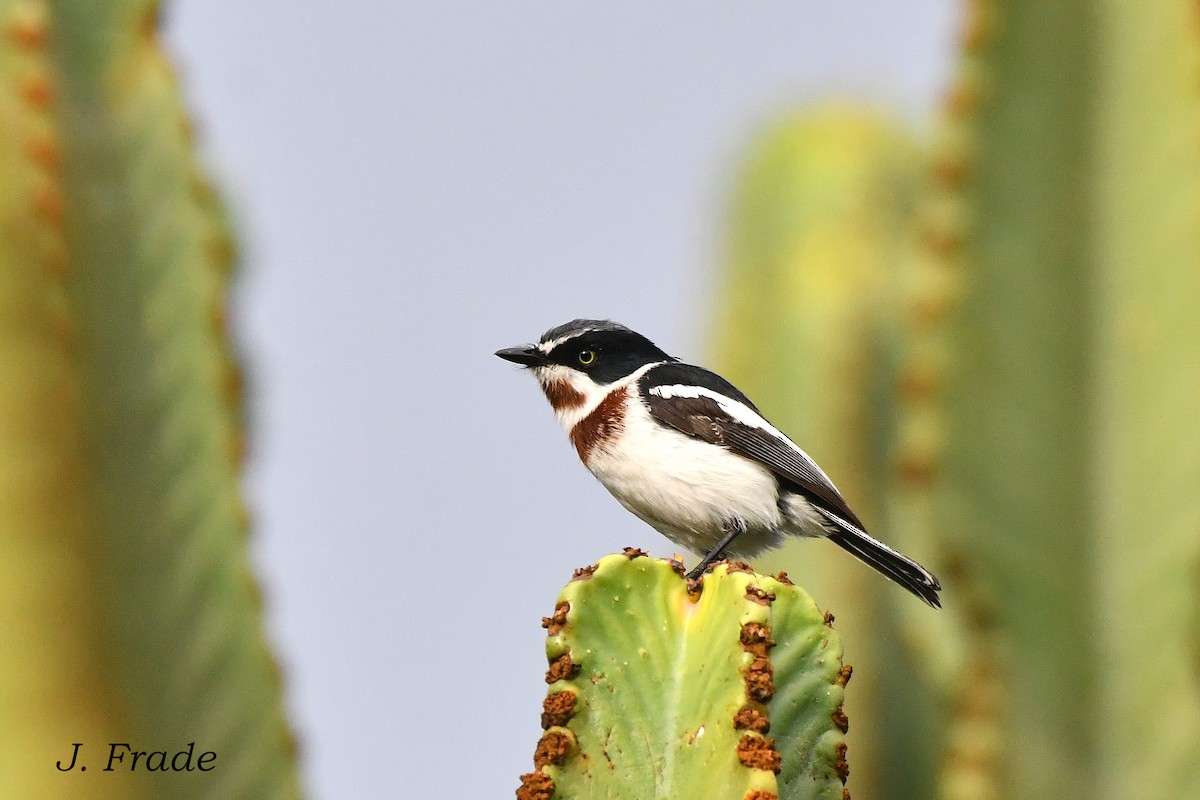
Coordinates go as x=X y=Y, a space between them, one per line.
x=733 y=529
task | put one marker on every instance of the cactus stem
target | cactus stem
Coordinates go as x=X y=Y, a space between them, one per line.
x=759 y=794
x=56 y=264
x=44 y=152
x=756 y=594
x=554 y=624
x=919 y=380
x=964 y=96
x=61 y=324
x=535 y=786
x=48 y=205
x=38 y=92
x=151 y=21
x=645 y=676
x=756 y=639
x=978 y=25
x=758 y=752
x=751 y=719
x=845 y=674
x=552 y=749
x=841 y=764
x=558 y=708
x=562 y=669
x=916 y=468
x=29 y=32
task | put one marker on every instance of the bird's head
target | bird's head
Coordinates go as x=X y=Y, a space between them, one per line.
x=579 y=362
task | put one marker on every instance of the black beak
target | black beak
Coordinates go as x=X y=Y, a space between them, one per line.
x=527 y=356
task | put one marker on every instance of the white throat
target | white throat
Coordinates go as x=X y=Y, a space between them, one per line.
x=592 y=393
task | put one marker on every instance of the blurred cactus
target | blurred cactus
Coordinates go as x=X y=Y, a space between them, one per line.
x=992 y=347
x=127 y=608
x=658 y=693
x=823 y=219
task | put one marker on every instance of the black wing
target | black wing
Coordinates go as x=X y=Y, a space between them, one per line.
x=704 y=418
x=694 y=407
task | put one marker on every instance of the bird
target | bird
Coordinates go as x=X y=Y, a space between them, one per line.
x=687 y=452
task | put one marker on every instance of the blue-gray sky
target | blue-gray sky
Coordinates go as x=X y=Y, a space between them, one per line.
x=418 y=185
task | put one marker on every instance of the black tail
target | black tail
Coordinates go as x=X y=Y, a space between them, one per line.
x=900 y=568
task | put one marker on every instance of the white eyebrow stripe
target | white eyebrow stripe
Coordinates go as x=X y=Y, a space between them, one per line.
x=740 y=413
x=546 y=347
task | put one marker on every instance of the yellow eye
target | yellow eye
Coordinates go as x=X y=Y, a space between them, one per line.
x=586 y=357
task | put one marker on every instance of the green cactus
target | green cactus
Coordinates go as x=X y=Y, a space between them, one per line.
x=127 y=609
x=823 y=222
x=732 y=691
x=1003 y=355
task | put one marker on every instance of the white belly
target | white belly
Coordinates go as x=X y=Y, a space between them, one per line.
x=687 y=489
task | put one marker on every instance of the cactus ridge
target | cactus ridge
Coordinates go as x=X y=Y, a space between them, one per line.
x=1024 y=417
x=121 y=437
x=669 y=688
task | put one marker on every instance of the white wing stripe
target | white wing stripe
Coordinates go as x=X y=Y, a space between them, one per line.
x=739 y=412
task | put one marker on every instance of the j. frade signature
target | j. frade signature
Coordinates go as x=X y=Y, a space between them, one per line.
x=122 y=756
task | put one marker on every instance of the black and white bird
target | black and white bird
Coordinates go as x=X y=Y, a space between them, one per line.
x=683 y=449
